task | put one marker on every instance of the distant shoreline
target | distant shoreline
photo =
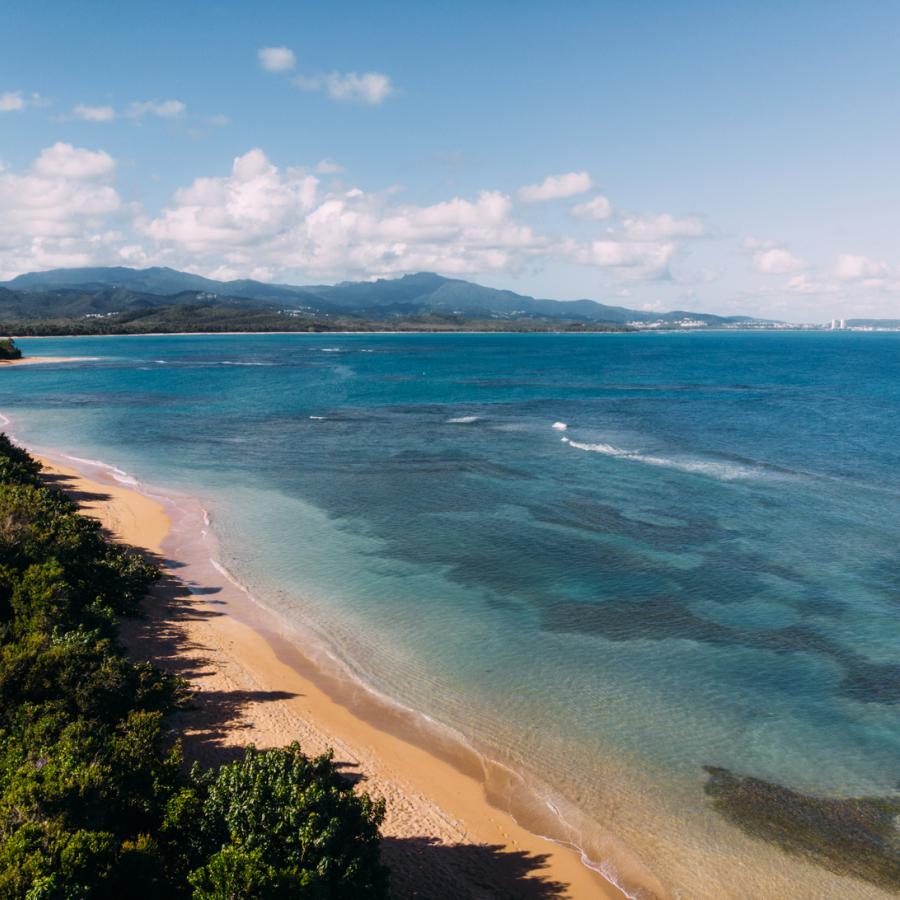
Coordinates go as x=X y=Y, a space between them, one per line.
x=561 y=332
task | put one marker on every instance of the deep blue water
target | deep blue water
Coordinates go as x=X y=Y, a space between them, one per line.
x=700 y=569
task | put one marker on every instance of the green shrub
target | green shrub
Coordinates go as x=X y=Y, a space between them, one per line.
x=295 y=822
x=94 y=798
x=9 y=350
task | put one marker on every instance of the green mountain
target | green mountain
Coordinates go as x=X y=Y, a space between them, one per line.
x=72 y=293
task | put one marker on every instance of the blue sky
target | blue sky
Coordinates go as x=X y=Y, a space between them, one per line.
x=720 y=157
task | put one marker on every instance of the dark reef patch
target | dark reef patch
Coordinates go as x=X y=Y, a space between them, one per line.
x=661 y=619
x=854 y=836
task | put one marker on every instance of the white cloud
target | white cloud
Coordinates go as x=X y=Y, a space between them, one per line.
x=93 y=113
x=636 y=259
x=803 y=284
x=12 y=101
x=58 y=212
x=65 y=161
x=276 y=59
x=776 y=261
x=557 y=187
x=286 y=223
x=661 y=227
x=597 y=208
x=854 y=268
x=219 y=120
x=259 y=215
x=328 y=166
x=220 y=215
x=370 y=88
x=164 y=109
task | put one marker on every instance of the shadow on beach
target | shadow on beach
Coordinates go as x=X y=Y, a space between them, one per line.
x=423 y=867
x=67 y=483
x=210 y=720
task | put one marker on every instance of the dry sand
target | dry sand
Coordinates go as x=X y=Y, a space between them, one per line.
x=442 y=838
x=35 y=360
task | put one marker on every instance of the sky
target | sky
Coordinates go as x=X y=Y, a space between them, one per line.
x=718 y=157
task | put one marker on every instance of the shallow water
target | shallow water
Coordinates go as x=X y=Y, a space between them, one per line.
x=700 y=569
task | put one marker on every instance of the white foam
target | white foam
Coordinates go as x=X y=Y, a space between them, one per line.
x=463 y=420
x=317 y=418
x=559 y=426
x=118 y=474
x=720 y=470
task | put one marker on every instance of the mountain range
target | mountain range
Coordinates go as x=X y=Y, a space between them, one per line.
x=85 y=292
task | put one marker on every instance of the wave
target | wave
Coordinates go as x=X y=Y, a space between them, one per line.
x=559 y=426
x=463 y=420
x=722 y=471
x=118 y=474
x=231 y=362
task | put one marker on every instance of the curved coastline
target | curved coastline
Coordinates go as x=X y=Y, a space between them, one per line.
x=439 y=787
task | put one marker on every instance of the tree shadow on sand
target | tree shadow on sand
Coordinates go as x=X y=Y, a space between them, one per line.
x=424 y=868
x=67 y=483
x=210 y=719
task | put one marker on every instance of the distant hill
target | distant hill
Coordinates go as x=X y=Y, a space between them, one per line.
x=73 y=293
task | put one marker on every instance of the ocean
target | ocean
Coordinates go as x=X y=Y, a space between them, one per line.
x=653 y=578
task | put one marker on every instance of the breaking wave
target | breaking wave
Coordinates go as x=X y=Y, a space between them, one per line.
x=723 y=471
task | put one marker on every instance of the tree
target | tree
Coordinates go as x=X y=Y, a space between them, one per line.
x=9 y=350
x=280 y=824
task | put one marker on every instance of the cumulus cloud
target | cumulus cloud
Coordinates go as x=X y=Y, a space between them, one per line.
x=556 y=187
x=58 y=212
x=260 y=215
x=12 y=101
x=370 y=88
x=276 y=59
x=93 y=113
x=773 y=260
x=65 y=161
x=261 y=220
x=854 y=268
x=253 y=203
x=636 y=259
x=803 y=284
x=164 y=109
x=328 y=166
x=597 y=208
x=661 y=227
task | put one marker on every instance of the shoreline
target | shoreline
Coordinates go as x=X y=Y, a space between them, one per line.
x=37 y=360
x=254 y=684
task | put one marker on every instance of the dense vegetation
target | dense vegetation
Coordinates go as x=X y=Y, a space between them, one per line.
x=9 y=350
x=186 y=318
x=95 y=800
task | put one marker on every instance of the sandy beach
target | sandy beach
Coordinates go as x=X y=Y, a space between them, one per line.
x=442 y=838
x=37 y=360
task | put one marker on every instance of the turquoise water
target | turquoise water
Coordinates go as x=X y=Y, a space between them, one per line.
x=700 y=569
